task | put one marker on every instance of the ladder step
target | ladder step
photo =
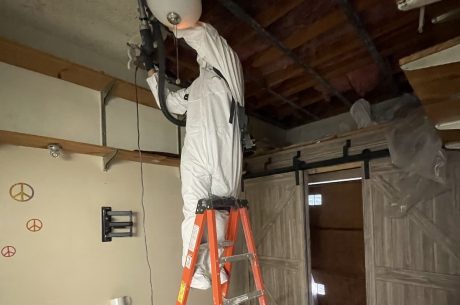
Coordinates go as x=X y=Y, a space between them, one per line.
x=236 y=258
x=244 y=298
x=226 y=243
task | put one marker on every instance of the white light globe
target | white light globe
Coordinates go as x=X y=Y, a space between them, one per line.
x=188 y=10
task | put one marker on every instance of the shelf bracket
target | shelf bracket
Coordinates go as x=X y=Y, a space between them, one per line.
x=108 y=159
x=105 y=97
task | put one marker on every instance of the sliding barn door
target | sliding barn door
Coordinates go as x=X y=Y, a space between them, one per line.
x=413 y=259
x=277 y=210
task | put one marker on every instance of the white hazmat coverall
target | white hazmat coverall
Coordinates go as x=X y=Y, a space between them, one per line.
x=211 y=160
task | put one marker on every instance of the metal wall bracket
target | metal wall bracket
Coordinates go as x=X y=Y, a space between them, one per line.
x=346 y=148
x=105 y=97
x=267 y=163
x=108 y=224
x=366 y=153
x=108 y=159
x=296 y=164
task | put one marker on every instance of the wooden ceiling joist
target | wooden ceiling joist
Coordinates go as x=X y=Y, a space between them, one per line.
x=358 y=25
x=241 y=14
x=306 y=34
x=32 y=59
x=265 y=18
x=348 y=45
x=301 y=37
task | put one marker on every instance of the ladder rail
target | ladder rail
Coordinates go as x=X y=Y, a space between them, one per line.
x=249 y=236
x=214 y=255
x=205 y=216
x=231 y=235
x=191 y=259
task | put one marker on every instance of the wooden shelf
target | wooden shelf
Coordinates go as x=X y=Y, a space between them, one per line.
x=27 y=140
x=26 y=57
x=434 y=74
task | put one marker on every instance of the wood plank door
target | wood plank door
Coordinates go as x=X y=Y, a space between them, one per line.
x=414 y=259
x=280 y=224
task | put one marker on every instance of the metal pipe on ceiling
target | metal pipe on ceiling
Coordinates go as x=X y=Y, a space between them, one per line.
x=236 y=10
x=360 y=29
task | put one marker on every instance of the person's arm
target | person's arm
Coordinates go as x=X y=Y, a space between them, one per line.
x=214 y=50
x=176 y=101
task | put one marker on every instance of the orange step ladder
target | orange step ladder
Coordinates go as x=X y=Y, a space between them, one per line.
x=205 y=215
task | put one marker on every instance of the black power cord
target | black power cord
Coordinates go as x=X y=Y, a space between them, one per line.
x=142 y=187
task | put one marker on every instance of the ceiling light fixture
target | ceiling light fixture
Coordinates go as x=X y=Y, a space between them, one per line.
x=55 y=150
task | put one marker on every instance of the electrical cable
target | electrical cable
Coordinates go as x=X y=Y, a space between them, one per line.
x=142 y=187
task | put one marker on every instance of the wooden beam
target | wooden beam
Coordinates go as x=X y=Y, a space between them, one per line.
x=436 y=84
x=449 y=135
x=28 y=140
x=348 y=44
x=237 y=11
x=265 y=18
x=308 y=33
x=302 y=36
x=418 y=278
x=429 y=51
x=355 y=20
x=25 y=57
x=348 y=64
x=433 y=232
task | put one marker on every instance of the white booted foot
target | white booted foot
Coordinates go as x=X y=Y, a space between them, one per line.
x=223 y=276
x=200 y=280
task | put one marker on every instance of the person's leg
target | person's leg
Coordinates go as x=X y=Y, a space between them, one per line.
x=195 y=186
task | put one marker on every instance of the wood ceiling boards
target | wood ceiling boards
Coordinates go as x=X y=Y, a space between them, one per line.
x=321 y=35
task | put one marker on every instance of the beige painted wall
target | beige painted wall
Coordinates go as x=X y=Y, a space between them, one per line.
x=66 y=263
x=38 y=104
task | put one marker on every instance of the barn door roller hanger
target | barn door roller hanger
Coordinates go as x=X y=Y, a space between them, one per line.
x=298 y=165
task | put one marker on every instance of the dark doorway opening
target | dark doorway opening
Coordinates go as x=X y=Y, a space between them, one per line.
x=337 y=242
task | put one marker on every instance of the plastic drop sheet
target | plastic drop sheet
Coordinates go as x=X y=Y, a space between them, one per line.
x=416 y=149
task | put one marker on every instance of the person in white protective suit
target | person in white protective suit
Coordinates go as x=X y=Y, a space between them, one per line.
x=211 y=160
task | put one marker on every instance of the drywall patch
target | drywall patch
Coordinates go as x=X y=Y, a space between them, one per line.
x=21 y=192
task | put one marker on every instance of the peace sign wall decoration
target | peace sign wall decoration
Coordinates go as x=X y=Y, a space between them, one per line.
x=34 y=225
x=8 y=251
x=21 y=192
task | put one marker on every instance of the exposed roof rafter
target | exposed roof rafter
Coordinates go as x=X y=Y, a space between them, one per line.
x=242 y=15
x=360 y=29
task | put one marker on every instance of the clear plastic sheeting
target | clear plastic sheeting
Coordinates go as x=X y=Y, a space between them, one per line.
x=398 y=107
x=416 y=149
x=361 y=113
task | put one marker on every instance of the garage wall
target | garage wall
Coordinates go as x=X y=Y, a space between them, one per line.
x=66 y=262
x=38 y=104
